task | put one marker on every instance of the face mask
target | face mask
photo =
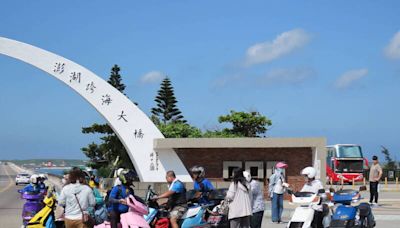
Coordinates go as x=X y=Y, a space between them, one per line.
x=279 y=170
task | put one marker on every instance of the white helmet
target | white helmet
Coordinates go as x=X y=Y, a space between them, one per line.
x=43 y=176
x=247 y=176
x=198 y=169
x=34 y=179
x=310 y=172
x=119 y=171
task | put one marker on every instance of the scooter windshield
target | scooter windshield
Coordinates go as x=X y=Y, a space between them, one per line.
x=304 y=194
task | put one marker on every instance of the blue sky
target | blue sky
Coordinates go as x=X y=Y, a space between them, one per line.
x=316 y=68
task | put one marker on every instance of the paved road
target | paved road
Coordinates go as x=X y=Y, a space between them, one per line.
x=10 y=202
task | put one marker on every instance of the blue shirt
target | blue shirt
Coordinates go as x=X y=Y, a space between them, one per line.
x=119 y=192
x=177 y=187
x=204 y=187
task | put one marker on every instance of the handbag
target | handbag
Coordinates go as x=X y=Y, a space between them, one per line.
x=224 y=208
x=86 y=218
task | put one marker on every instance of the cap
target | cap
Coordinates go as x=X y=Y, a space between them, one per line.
x=374 y=157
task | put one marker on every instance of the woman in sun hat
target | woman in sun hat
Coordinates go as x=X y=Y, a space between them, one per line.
x=277 y=186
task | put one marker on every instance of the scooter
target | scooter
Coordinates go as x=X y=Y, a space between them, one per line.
x=33 y=204
x=216 y=217
x=154 y=209
x=195 y=216
x=134 y=218
x=308 y=202
x=347 y=215
x=45 y=218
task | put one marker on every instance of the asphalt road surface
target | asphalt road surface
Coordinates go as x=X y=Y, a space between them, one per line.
x=10 y=200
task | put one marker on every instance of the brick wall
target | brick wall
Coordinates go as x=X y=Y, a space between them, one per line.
x=212 y=160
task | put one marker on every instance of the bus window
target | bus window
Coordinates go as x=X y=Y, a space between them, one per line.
x=350 y=152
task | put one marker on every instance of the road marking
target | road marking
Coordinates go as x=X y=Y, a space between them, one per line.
x=387 y=217
x=11 y=182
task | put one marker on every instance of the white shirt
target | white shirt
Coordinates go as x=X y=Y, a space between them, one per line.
x=279 y=189
x=314 y=186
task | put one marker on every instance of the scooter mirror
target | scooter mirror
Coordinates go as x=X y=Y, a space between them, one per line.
x=363 y=188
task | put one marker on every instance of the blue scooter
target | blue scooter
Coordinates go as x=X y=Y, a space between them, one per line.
x=196 y=215
x=345 y=214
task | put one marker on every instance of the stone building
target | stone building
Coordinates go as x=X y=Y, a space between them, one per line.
x=220 y=156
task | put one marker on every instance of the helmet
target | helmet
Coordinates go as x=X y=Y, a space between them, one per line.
x=34 y=179
x=198 y=169
x=281 y=165
x=119 y=171
x=310 y=172
x=127 y=176
x=247 y=175
x=42 y=176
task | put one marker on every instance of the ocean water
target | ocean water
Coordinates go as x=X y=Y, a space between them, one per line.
x=57 y=172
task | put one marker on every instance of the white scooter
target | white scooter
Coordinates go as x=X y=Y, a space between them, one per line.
x=308 y=203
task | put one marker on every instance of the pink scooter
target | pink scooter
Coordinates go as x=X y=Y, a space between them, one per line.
x=133 y=218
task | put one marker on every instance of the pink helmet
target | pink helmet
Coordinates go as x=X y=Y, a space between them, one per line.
x=281 y=165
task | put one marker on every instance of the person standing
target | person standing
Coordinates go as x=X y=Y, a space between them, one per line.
x=257 y=201
x=375 y=174
x=239 y=198
x=277 y=185
x=77 y=198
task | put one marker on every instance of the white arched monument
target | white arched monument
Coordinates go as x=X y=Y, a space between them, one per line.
x=135 y=130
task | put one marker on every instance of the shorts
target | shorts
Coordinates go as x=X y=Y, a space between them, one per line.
x=177 y=212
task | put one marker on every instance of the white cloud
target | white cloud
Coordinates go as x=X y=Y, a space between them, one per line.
x=283 y=44
x=392 y=50
x=287 y=76
x=282 y=77
x=152 y=77
x=348 y=78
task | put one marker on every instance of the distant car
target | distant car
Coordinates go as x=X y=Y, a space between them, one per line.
x=22 y=178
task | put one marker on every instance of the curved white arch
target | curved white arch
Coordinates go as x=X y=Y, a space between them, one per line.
x=135 y=130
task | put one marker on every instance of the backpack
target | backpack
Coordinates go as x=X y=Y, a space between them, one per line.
x=100 y=215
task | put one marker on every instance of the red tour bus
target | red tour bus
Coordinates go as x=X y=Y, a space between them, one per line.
x=345 y=161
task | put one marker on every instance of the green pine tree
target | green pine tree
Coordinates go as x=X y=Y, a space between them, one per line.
x=116 y=79
x=166 y=110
